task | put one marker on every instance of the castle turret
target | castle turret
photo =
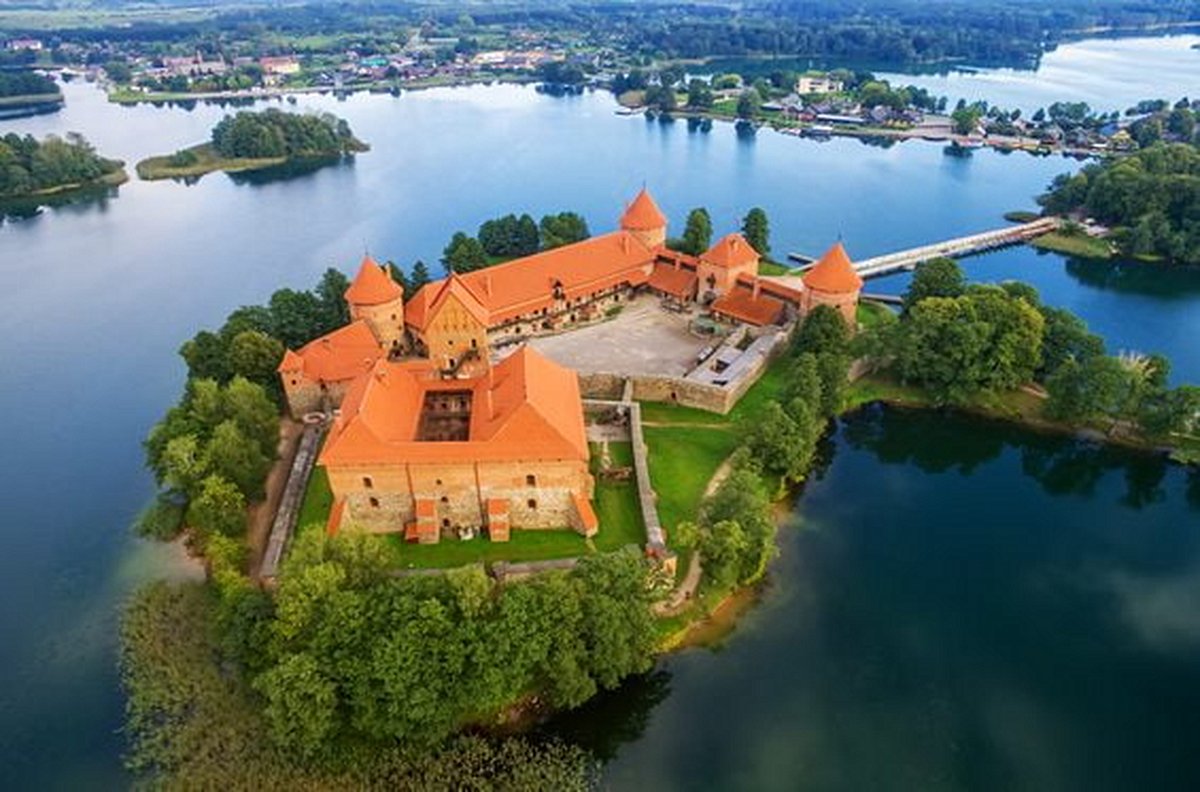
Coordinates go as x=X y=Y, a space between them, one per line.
x=645 y=220
x=833 y=281
x=732 y=257
x=379 y=301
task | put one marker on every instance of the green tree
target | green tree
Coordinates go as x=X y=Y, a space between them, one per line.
x=723 y=548
x=255 y=356
x=183 y=465
x=247 y=404
x=561 y=229
x=463 y=254
x=748 y=104
x=419 y=276
x=218 y=508
x=1083 y=390
x=966 y=119
x=697 y=234
x=301 y=703
x=1066 y=338
x=238 y=458
x=206 y=356
x=823 y=331
x=757 y=231
x=938 y=277
x=700 y=95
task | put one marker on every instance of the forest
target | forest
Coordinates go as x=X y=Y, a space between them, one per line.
x=29 y=166
x=25 y=83
x=274 y=133
x=1150 y=198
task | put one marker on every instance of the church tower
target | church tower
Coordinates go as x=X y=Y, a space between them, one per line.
x=379 y=301
x=645 y=220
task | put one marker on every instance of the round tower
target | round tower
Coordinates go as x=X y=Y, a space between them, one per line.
x=379 y=301
x=645 y=220
x=833 y=281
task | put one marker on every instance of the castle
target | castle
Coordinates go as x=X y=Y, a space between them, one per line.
x=432 y=435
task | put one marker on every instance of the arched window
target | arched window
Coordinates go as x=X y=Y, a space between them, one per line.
x=374 y=502
x=531 y=503
x=445 y=499
x=368 y=483
x=530 y=480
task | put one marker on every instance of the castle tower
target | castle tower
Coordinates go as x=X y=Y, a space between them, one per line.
x=730 y=258
x=833 y=281
x=379 y=301
x=645 y=220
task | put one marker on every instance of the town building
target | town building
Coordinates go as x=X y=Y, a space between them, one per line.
x=818 y=84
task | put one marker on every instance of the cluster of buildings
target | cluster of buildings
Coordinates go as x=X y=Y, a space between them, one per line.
x=437 y=432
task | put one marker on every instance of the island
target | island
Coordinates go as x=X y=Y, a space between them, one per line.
x=250 y=141
x=25 y=93
x=432 y=516
x=31 y=169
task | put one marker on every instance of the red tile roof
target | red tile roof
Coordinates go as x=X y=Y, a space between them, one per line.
x=679 y=283
x=372 y=286
x=833 y=273
x=525 y=408
x=587 y=515
x=643 y=214
x=741 y=304
x=342 y=354
x=731 y=250
x=334 y=524
x=526 y=285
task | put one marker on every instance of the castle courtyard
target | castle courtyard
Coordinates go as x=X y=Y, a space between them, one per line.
x=643 y=339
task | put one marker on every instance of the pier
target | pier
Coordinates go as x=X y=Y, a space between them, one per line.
x=953 y=248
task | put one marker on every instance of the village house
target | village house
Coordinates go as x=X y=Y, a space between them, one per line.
x=818 y=84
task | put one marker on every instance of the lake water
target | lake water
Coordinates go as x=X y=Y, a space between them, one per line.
x=1133 y=69
x=99 y=296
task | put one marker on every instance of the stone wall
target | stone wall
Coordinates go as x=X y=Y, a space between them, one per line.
x=306 y=396
x=381 y=498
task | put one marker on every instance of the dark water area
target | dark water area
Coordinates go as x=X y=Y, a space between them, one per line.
x=99 y=295
x=958 y=605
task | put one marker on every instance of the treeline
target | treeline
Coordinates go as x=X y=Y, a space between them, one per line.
x=211 y=452
x=1152 y=198
x=190 y=723
x=958 y=342
x=511 y=237
x=28 y=165
x=735 y=532
x=346 y=652
x=25 y=83
x=275 y=133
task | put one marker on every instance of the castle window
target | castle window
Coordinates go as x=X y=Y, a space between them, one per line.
x=531 y=480
x=438 y=482
x=473 y=344
x=368 y=483
x=531 y=503
x=445 y=522
x=294 y=382
x=374 y=502
x=445 y=499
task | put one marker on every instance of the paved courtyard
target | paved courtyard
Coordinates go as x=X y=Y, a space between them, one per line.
x=643 y=339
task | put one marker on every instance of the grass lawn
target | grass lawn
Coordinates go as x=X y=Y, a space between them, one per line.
x=318 y=500
x=207 y=160
x=873 y=314
x=682 y=461
x=523 y=546
x=766 y=267
x=1080 y=245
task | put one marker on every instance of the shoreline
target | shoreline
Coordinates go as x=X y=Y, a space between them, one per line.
x=114 y=179
x=159 y=168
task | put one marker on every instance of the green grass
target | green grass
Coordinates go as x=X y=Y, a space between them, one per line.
x=523 y=546
x=1021 y=216
x=620 y=515
x=207 y=161
x=1079 y=245
x=873 y=314
x=682 y=461
x=317 y=503
x=768 y=267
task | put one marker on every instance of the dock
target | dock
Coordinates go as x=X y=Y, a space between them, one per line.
x=960 y=247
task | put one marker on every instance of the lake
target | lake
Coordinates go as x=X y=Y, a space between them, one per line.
x=100 y=295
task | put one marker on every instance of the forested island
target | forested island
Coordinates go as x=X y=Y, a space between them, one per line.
x=31 y=168
x=1150 y=199
x=257 y=140
x=27 y=93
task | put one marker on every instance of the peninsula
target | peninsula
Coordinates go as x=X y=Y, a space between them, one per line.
x=32 y=169
x=251 y=141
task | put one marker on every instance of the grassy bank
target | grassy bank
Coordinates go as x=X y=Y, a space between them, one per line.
x=30 y=99
x=1078 y=245
x=196 y=161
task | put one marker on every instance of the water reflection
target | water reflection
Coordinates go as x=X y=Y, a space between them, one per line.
x=73 y=202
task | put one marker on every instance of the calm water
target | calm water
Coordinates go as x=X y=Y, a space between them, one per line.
x=98 y=297
x=1132 y=69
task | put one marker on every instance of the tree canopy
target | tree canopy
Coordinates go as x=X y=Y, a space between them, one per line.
x=275 y=133
x=28 y=165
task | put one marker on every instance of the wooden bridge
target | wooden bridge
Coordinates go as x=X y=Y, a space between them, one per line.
x=953 y=248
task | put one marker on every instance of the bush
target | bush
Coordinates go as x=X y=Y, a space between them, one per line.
x=162 y=519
